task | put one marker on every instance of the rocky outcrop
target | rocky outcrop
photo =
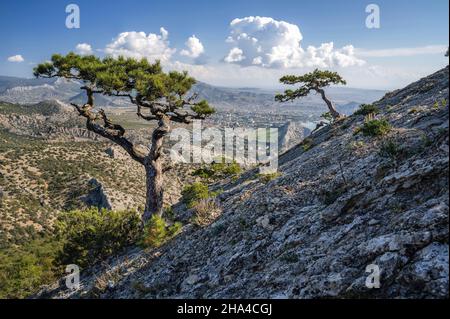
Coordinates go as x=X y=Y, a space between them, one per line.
x=345 y=202
x=97 y=196
x=53 y=120
x=290 y=134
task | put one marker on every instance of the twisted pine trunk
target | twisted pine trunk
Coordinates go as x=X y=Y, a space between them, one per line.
x=154 y=171
x=330 y=104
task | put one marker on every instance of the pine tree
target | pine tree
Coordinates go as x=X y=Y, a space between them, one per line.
x=158 y=96
x=314 y=81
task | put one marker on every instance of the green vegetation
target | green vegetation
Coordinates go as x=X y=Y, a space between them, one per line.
x=42 y=108
x=389 y=149
x=40 y=179
x=306 y=144
x=426 y=141
x=374 y=127
x=314 y=81
x=265 y=178
x=157 y=232
x=80 y=237
x=442 y=104
x=366 y=109
x=219 y=170
x=327 y=117
x=143 y=83
x=191 y=194
x=92 y=235
x=23 y=269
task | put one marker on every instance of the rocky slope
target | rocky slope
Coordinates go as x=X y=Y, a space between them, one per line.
x=289 y=134
x=342 y=201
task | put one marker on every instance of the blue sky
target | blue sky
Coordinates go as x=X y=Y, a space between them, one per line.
x=407 y=45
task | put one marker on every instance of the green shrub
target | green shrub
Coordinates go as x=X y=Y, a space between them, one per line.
x=92 y=235
x=204 y=172
x=306 y=144
x=191 y=194
x=23 y=269
x=230 y=169
x=389 y=149
x=219 y=170
x=366 y=109
x=376 y=127
x=265 y=178
x=327 y=117
x=156 y=232
x=169 y=213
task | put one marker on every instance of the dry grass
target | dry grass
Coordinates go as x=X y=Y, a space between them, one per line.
x=206 y=212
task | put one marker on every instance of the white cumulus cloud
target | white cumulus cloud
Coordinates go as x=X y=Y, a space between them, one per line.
x=270 y=43
x=16 y=58
x=194 y=48
x=140 y=45
x=235 y=55
x=83 y=49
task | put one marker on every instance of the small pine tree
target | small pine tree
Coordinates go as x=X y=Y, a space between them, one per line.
x=314 y=81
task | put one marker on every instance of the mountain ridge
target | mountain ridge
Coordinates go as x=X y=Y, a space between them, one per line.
x=28 y=91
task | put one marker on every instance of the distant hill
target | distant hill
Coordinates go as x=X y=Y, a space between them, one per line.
x=28 y=91
x=9 y=82
x=346 y=99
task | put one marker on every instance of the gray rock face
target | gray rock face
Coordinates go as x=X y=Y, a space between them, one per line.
x=290 y=135
x=336 y=208
x=97 y=196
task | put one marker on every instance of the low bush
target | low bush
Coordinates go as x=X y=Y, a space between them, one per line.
x=366 y=109
x=23 y=269
x=206 y=212
x=389 y=149
x=376 y=127
x=91 y=235
x=157 y=232
x=265 y=178
x=191 y=194
x=306 y=144
x=218 y=170
x=327 y=117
